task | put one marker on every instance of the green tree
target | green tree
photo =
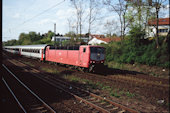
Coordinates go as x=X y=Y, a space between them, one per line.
x=70 y=34
x=10 y=42
x=50 y=34
x=136 y=34
x=27 y=39
x=34 y=36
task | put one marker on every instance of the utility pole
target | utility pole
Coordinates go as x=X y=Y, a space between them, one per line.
x=55 y=34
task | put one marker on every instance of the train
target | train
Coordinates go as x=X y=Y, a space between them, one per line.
x=87 y=57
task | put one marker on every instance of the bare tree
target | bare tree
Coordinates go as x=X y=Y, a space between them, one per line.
x=93 y=13
x=78 y=5
x=120 y=8
x=157 y=4
x=69 y=24
x=110 y=27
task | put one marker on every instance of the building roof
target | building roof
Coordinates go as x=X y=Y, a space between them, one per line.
x=115 y=39
x=161 y=21
x=97 y=36
x=105 y=39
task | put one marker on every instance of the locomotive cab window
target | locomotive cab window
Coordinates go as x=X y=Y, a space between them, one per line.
x=97 y=50
x=84 y=50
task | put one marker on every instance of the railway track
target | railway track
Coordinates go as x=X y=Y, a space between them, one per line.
x=91 y=101
x=25 y=97
x=139 y=82
x=100 y=103
x=136 y=82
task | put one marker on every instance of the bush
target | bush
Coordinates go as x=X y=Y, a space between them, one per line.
x=136 y=49
x=145 y=53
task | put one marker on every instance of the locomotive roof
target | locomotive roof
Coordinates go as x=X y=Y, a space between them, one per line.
x=92 y=45
x=42 y=46
x=29 y=46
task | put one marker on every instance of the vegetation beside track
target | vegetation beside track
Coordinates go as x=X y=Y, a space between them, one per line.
x=123 y=90
x=137 y=50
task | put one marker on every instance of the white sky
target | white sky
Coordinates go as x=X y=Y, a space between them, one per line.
x=16 y=12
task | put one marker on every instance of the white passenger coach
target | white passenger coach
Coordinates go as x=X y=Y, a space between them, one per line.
x=35 y=51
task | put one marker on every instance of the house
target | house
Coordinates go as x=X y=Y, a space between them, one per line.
x=63 y=38
x=163 y=27
x=60 y=38
x=99 y=39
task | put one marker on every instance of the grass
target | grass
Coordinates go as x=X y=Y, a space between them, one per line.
x=75 y=79
x=115 y=65
x=90 y=84
x=115 y=94
x=153 y=74
x=128 y=94
x=28 y=63
x=104 y=101
x=121 y=92
x=49 y=70
x=138 y=80
x=118 y=93
x=99 y=84
x=133 y=67
x=107 y=88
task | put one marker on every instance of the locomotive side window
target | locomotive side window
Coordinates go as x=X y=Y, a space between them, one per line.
x=84 y=50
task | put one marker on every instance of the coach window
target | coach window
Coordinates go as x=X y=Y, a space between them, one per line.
x=84 y=50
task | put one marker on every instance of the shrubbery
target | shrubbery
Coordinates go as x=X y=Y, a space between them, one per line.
x=135 y=49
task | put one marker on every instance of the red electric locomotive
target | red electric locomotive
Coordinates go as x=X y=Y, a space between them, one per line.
x=87 y=57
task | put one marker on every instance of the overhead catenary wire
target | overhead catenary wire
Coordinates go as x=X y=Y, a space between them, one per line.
x=37 y=15
x=42 y=12
x=32 y=4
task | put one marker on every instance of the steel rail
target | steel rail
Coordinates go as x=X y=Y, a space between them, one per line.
x=23 y=109
x=91 y=94
x=94 y=95
x=29 y=90
x=79 y=98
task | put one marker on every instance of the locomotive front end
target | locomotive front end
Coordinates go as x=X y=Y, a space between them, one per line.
x=97 y=58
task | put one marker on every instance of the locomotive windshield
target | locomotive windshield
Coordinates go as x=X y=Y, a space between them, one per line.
x=97 y=50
